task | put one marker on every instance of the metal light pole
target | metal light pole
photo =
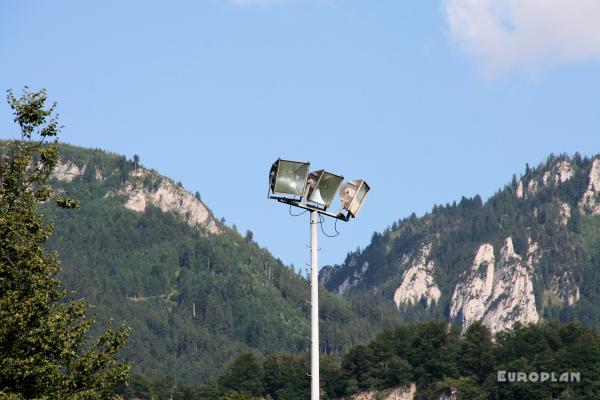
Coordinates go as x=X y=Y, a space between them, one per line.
x=314 y=308
x=291 y=184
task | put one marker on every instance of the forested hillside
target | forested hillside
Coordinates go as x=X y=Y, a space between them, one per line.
x=195 y=292
x=530 y=252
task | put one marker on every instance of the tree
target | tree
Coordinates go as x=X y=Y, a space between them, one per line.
x=476 y=352
x=45 y=349
x=244 y=376
x=136 y=161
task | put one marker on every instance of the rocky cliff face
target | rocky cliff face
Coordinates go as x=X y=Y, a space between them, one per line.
x=67 y=171
x=590 y=202
x=167 y=196
x=519 y=257
x=399 y=393
x=558 y=173
x=417 y=281
x=143 y=188
x=497 y=293
x=471 y=295
x=352 y=280
x=565 y=288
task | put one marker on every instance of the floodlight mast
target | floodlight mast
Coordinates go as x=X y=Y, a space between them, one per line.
x=314 y=308
x=298 y=175
x=314 y=288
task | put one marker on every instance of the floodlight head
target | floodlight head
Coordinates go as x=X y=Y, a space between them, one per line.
x=353 y=194
x=288 y=177
x=321 y=187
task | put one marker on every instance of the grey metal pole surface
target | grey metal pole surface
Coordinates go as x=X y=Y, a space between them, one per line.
x=314 y=301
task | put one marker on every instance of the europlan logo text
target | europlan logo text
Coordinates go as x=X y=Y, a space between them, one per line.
x=534 y=377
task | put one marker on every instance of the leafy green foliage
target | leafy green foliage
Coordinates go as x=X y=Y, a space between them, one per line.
x=45 y=349
x=244 y=375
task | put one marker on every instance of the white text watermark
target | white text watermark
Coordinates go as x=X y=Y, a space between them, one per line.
x=534 y=377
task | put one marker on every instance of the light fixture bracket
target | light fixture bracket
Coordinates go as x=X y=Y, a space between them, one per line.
x=311 y=207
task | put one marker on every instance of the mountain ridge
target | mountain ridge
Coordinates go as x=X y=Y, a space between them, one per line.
x=524 y=254
x=197 y=293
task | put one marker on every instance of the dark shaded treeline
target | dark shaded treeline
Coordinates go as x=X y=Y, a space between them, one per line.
x=433 y=355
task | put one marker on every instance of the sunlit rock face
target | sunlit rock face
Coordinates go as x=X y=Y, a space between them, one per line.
x=162 y=193
x=564 y=288
x=519 y=192
x=532 y=188
x=67 y=171
x=559 y=173
x=417 y=281
x=497 y=292
x=590 y=201
x=99 y=175
x=399 y=393
x=512 y=299
x=352 y=281
x=565 y=213
x=469 y=301
x=168 y=197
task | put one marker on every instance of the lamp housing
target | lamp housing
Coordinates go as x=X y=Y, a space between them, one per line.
x=288 y=177
x=353 y=194
x=322 y=186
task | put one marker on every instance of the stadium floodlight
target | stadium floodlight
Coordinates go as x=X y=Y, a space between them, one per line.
x=288 y=177
x=290 y=183
x=353 y=195
x=322 y=186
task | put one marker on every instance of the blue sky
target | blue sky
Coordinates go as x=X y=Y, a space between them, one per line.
x=427 y=100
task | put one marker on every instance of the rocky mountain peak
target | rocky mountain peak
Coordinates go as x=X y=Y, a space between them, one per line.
x=497 y=293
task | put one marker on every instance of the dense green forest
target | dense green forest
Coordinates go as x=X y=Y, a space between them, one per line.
x=194 y=300
x=438 y=359
x=545 y=206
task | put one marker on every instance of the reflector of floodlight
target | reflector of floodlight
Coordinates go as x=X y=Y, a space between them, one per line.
x=353 y=195
x=289 y=177
x=322 y=186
